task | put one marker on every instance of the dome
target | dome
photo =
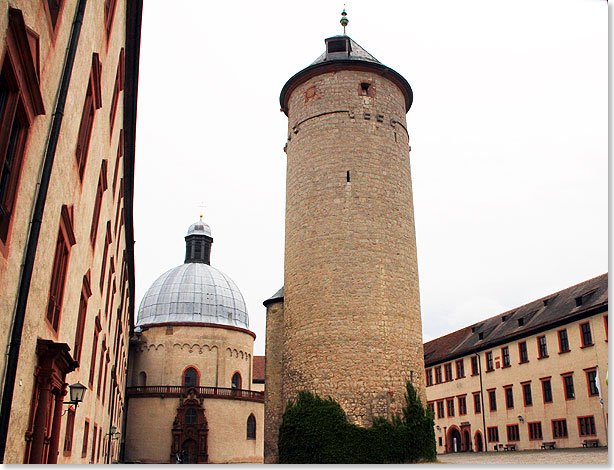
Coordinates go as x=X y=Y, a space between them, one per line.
x=199 y=228
x=196 y=293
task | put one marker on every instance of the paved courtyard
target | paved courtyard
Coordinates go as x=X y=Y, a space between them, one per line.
x=532 y=457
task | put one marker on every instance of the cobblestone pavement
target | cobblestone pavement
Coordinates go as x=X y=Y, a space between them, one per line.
x=532 y=457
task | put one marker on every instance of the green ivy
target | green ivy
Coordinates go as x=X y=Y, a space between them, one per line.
x=316 y=430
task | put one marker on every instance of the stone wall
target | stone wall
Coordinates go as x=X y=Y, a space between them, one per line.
x=273 y=403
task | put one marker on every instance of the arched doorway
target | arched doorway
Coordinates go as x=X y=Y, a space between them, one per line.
x=478 y=442
x=190 y=451
x=190 y=430
x=466 y=441
x=454 y=442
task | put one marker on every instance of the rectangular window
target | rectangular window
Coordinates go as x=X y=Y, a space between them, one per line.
x=547 y=390
x=462 y=406
x=559 y=428
x=513 y=434
x=94 y=443
x=118 y=87
x=105 y=252
x=509 y=398
x=440 y=413
x=535 y=431
x=492 y=400
x=522 y=352
x=102 y=186
x=493 y=434
x=587 y=337
x=477 y=404
x=450 y=404
x=429 y=377
x=586 y=425
x=86 y=430
x=70 y=428
x=605 y=321
x=120 y=154
x=474 y=365
x=568 y=386
x=591 y=378
x=563 y=341
x=526 y=392
x=432 y=408
x=542 y=347
x=85 y=294
x=505 y=354
x=109 y=13
x=489 y=362
x=102 y=351
x=93 y=358
x=448 y=371
x=438 y=374
x=91 y=104
x=460 y=369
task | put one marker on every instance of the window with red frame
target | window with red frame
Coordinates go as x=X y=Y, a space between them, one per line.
x=190 y=377
x=477 y=404
x=118 y=87
x=93 y=358
x=522 y=352
x=535 y=431
x=587 y=337
x=102 y=187
x=94 y=443
x=586 y=425
x=492 y=399
x=563 y=341
x=20 y=102
x=542 y=347
x=505 y=356
x=448 y=371
x=568 y=386
x=70 y=428
x=489 y=362
x=99 y=444
x=120 y=154
x=460 y=369
x=86 y=430
x=109 y=12
x=547 y=390
x=591 y=378
x=85 y=295
x=440 y=412
x=526 y=392
x=513 y=434
x=438 y=374
x=103 y=350
x=450 y=406
x=66 y=239
x=509 y=398
x=105 y=252
x=493 y=434
x=474 y=365
x=93 y=101
x=605 y=321
x=559 y=428
x=429 y=377
x=462 y=405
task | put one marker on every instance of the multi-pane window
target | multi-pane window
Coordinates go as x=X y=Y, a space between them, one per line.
x=70 y=428
x=591 y=377
x=526 y=392
x=477 y=404
x=94 y=443
x=513 y=434
x=429 y=377
x=109 y=13
x=460 y=369
x=438 y=374
x=85 y=294
x=505 y=355
x=448 y=371
x=474 y=365
x=190 y=377
x=251 y=427
x=119 y=86
x=493 y=434
x=586 y=425
x=587 y=337
x=522 y=351
x=535 y=431
x=563 y=341
x=190 y=416
x=450 y=406
x=489 y=361
x=93 y=358
x=86 y=430
x=559 y=428
x=542 y=348
x=568 y=385
x=91 y=104
x=509 y=398
x=492 y=400
x=432 y=408
x=102 y=187
x=462 y=405
x=440 y=412
x=547 y=390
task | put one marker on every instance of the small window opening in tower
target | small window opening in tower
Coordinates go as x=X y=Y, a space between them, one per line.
x=364 y=88
x=337 y=46
x=348 y=176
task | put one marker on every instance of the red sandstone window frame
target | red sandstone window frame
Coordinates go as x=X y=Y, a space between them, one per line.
x=94 y=443
x=588 y=372
x=70 y=429
x=449 y=407
x=492 y=399
x=103 y=268
x=86 y=431
x=535 y=430
x=605 y=322
x=109 y=15
x=490 y=363
x=509 y=397
x=559 y=429
x=547 y=380
x=118 y=87
x=66 y=239
x=505 y=357
x=587 y=423
x=438 y=376
x=542 y=347
x=431 y=405
x=493 y=433
x=477 y=403
x=97 y=330
x=447 y=370
x=586 y=342
x=429 y=377
x=474 y=365
x=103 y=350
x=559 y=334
x=462 y=404
x=118 y=157
x=197 y=378
x=100 y=189
x=513 y=433
x=460 y=369
x=527 y=386
x=522 y=351
x=53 y=15
x=86 y=292
x=440 y=410
x=568 y=386
x=251 y=427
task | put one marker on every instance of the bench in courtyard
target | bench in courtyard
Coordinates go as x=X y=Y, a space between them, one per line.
x=510 y=447
x=548 y=445
x=590 y=443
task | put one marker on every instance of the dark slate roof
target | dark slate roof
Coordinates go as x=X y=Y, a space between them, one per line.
x=541 y=314
x=356 y=53
x=258 y=371
x=277 y=296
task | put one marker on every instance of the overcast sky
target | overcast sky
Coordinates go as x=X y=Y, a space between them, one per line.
x=508 y=129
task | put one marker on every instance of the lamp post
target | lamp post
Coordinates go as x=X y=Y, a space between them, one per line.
x=77 y=391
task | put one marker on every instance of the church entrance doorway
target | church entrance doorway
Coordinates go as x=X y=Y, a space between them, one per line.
x=190 y=430
x=190 y=451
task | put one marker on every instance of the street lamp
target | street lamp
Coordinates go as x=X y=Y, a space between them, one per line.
x=76 y=394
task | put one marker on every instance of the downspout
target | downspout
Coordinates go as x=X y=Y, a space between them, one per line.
x=37 y=217
x=482 y=399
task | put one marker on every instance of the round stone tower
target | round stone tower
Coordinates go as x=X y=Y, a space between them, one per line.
x=351 y=316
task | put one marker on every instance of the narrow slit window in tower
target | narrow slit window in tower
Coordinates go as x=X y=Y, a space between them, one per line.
x=348 y=176
x=364 y=89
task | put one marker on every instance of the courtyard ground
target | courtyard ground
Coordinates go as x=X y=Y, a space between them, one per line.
x=531 y=457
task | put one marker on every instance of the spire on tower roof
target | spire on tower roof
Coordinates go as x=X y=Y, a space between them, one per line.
x=344 y=21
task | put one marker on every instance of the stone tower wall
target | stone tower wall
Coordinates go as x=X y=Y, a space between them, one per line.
x=273 y=403
x=352 y=326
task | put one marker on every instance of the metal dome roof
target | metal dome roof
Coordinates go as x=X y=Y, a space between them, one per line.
x=199 y=228
x=193 y=292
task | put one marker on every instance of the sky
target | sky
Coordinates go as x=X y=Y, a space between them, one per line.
x=508 y=131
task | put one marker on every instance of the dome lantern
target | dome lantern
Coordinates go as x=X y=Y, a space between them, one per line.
x=198 y=243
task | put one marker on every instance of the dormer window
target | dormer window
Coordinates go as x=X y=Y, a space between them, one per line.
x=337 y=45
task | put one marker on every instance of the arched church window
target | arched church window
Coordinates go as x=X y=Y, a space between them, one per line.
x=236 y=381
x=251 y=427
x=190 y=416
x=190 y=377
x=142 y=379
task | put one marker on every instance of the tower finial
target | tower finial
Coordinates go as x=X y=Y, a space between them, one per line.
x=344 y=21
